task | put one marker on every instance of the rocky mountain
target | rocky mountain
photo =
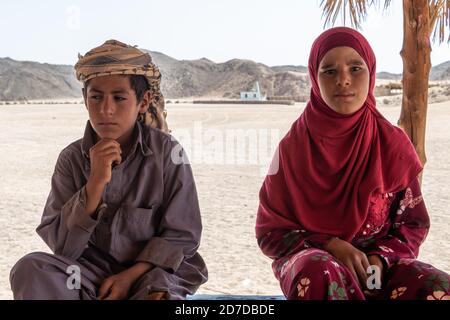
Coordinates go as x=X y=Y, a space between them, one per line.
x=26 y=80
x=389 y=76
x=441 y=72
x=204 y=78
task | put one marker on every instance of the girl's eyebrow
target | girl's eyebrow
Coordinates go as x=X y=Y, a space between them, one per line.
x=356 y=62
x=328 y=65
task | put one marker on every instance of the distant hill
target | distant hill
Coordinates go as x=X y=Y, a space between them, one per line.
x=204 y=78
x=25 y=80
x=389 y=76
x=441 y=72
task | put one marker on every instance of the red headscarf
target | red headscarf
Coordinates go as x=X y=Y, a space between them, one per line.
x=329 y=163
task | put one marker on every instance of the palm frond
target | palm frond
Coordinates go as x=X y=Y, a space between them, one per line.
x=355 y=9
x=440 y=19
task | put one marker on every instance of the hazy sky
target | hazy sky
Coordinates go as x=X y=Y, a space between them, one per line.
x=271 y=32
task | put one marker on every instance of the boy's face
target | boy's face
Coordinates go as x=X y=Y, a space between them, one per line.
x=113 y=107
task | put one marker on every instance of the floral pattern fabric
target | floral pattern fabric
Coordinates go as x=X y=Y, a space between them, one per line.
x=396 y=227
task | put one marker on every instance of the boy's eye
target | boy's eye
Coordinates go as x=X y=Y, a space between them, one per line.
x=96 y=97
x=119 y=98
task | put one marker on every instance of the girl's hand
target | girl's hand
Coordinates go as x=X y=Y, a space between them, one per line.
x=355 y=260
x=375 y=260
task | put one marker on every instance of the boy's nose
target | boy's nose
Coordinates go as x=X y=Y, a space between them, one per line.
x=107 y=107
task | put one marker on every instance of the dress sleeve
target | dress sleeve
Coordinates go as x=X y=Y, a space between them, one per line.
x=281 y=243
x=409 y=228
x=277 y=233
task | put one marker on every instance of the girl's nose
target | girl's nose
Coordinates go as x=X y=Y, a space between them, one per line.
x=343 y=79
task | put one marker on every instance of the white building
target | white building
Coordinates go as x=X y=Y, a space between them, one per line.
x=254 y=94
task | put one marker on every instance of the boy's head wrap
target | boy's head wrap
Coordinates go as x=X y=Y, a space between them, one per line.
x=114 y=57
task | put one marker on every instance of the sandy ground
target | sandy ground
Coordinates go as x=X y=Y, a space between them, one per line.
x=31 y=138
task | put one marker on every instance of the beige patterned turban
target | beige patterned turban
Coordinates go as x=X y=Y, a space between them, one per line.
x=115 y=57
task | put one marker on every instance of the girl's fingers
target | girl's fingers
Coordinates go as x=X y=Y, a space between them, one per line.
x=362 y=275
x=351 y=268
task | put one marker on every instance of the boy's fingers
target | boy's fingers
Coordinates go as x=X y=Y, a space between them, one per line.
x=108 y=150
x=104 y=289
x=113 y=295
x=113 y=157
x=160 y=295
x=104 y=143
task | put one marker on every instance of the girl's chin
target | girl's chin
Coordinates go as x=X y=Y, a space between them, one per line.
x=345 y=109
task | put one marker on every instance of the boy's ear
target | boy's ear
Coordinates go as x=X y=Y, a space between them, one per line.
x=145 y=101
x=83 y=90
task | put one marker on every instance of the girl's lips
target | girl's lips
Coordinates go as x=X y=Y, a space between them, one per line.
x=344 y=96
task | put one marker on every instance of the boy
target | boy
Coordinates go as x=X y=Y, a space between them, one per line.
x=123 y=207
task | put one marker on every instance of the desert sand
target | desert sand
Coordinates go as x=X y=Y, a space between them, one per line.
x=31 y=137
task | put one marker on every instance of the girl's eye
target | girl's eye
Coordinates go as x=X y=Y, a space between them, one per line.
x=329 y=71
x=356 y=69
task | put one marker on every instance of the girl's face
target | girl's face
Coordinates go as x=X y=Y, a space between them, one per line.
x=343 y=79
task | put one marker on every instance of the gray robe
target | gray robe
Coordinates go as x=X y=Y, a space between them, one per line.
x=149 y=212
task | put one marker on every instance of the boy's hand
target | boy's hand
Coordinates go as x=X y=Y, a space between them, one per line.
x=157 y=295
x=355 y=260
x=103 y=155
x=116 y=287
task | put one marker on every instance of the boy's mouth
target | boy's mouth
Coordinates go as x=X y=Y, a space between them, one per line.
x=107 y=123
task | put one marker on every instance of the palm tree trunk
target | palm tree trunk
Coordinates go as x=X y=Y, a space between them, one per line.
x=416 y=69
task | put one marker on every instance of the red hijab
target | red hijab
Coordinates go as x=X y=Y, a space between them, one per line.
x=329 y=163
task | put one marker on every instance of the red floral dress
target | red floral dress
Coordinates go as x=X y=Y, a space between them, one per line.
x=395 y=228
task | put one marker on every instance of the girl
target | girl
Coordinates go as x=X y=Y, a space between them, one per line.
x=343 y=217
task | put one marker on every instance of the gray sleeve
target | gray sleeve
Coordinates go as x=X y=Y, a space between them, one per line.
x=64 y=226
x=179 y=232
